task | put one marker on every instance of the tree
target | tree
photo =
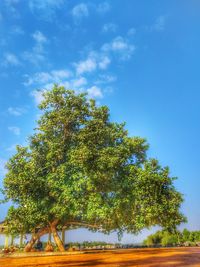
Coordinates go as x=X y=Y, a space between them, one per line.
x=186 y=235
x=163 y=238
x=169 y=239
x=154 y=239
x=81 y=169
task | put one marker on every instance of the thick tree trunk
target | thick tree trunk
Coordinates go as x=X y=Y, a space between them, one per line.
x=31 y=243
x=34 y=238
x=57 y=239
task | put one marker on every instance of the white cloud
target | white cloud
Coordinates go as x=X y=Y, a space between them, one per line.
x=34 y=58
x=46 y=82
x=58 y=75
x=117 y=44
x=15 y=130
x=54 y=76
x=38 y=96
x=80 y=11
x=121 y=46
x=40 y=77
x=39 y=37
x=10 y=59
x=87 y=65
x=94 y=92
x=94 y=61
x=66 y=84
x=109 y=27
x=103 y=7
x=104 y=62
x=37 y=54
x=16 y=111
x=77 y=83
x=40 y=40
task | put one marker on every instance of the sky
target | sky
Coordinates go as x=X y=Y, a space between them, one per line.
x=141 y=58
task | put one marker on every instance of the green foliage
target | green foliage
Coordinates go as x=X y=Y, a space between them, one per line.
x=80 y=167
x=169 y=239
x=185 y=235
x=165 y=238
x=154 y=239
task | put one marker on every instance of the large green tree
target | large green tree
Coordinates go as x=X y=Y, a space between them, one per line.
x=81 y=169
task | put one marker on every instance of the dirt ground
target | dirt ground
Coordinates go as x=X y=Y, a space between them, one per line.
x=130 y=257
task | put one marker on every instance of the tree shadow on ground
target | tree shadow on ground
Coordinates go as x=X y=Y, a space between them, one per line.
x=178 y=259
x=128 y=258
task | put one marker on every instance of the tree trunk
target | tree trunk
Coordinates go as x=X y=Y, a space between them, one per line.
x=49 y=237
x=34 y=238
x=57 y=239
x=12 y=240
x=6 y=241
x=63 y=236
x=21 y=240
x=31 y=243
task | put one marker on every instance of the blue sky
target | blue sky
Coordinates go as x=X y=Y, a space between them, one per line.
x=141 y=58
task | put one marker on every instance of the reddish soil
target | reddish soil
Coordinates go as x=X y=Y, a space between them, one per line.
x=130 y=257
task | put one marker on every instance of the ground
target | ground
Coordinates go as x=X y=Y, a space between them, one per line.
x=160 y=257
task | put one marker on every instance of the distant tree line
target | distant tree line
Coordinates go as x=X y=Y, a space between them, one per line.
x=178 y=238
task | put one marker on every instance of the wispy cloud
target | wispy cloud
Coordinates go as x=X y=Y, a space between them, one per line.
x=37 y=54
x=15 y=130
x=131 y=32
x=45 y=9
x=39 y=37
x=103 y=7
x=17 y=30
x=109 y=27
x=95 y=92
x=54 y=76
x=79 y=82
x=94 y=61
x=16 y=111
x=10 y=60
x=38 y=96
x=159 y=24
x=77 y=77
x=87 y=65
x=11 y=7
x=104 y=61
x=121 y=46
x=2 y=166
x=106 y=78
x=80 y=11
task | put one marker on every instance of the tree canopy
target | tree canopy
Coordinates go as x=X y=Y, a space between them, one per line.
x=81 y=169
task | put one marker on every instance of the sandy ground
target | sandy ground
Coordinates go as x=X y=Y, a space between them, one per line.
x=129 y=257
